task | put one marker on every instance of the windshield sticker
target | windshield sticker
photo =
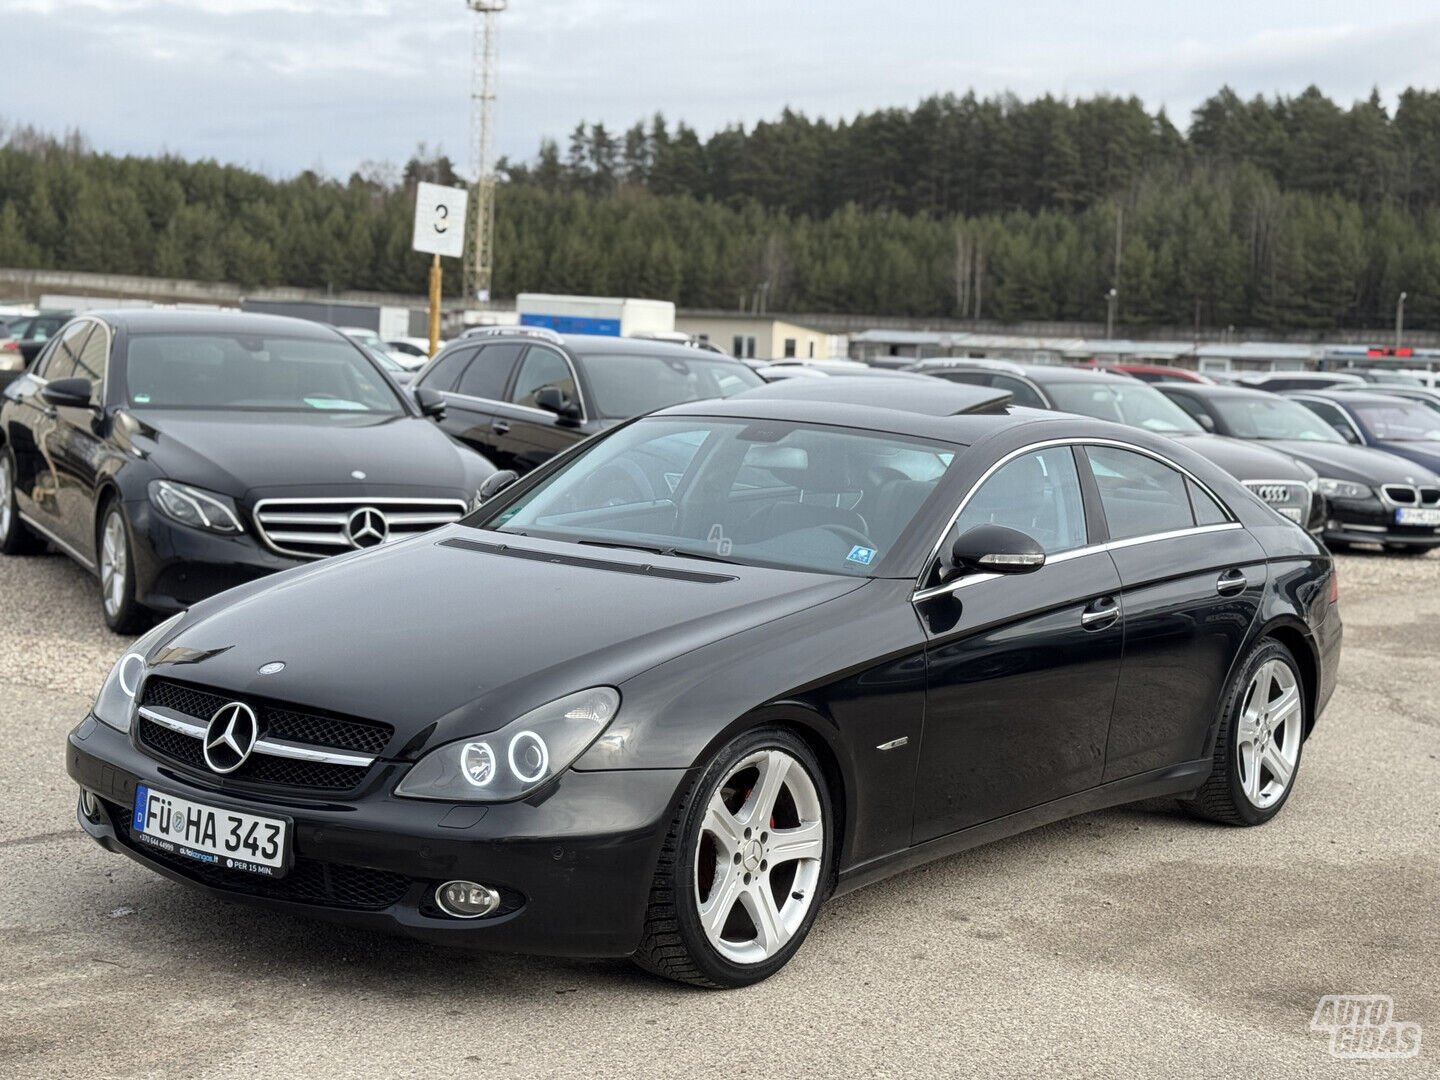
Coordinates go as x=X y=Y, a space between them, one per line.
x=142 y=399
x=334 y=403
x=862 y=555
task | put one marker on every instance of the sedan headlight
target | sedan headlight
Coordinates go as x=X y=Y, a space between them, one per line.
x=520 y=757
x=1343 y=489
x=195 y=507
x=114 y=703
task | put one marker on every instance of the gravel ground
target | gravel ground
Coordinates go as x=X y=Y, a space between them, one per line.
x=1129 y=942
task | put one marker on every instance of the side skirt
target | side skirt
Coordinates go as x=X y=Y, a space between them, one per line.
x=1171 y=780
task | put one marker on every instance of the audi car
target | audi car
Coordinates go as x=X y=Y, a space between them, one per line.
x=841 y=635
x=176 y=454
x=1287 y=484
x=522 y=394
x=1370 y=496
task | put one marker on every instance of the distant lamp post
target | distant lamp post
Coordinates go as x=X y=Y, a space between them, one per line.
x=1111 y=299
x=1400 y=318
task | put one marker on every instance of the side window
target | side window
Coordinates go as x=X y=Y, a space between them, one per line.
x=542 y=368
x=1207 y=510
x=1332 y=416
x=90 y=363
x=1038 y=494
x=1140 y=495
x=490 y=371
x=1021 y=392
x=446 y=370
x=64 y=356
x=1193 y=408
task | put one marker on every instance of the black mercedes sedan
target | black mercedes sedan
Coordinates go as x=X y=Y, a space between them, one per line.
x=839 y=637
x=1371 y=496
x=1281 y=480
x=175 y=454
x=521 y=394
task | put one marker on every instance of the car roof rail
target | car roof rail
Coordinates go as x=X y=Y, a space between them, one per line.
x=542 y=332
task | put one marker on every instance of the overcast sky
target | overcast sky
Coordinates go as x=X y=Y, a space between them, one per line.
x=284 y=85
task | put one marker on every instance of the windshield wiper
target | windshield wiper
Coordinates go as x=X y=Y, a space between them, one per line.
x=670 y=552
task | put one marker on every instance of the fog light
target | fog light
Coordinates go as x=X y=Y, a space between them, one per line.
x=89 y=805
x=466 y=899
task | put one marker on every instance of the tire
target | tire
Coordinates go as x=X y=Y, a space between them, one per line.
x=715 y=869
x=115 y=563
x=1264 y=710
x=15 y=538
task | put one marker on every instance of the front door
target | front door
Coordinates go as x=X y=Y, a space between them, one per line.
x=1023 y=668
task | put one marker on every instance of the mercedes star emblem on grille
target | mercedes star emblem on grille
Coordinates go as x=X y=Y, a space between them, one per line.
x=367 y=527
x=230 y=737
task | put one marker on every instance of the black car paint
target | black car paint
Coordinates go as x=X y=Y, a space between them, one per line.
x=113 y=450
x=1365 y=465
x=519 y=437
x=1425 y=453
x=478 y=636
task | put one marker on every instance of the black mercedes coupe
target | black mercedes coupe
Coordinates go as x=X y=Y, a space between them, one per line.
x=831 y=632
x=174 y=454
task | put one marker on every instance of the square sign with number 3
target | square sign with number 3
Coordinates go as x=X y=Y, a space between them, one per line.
x=440 y=220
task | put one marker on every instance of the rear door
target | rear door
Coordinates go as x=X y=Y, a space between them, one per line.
x=78 y=446
x=1191 y=583
x=474 y=382
x=1022 y=668
x=45 y=482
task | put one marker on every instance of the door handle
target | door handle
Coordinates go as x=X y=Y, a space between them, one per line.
x=501 y=427
x=1101 y=614
x=1231 y=582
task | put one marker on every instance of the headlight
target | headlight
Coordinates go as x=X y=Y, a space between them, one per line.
x=114 y=703
x=1343 y=489
x=194 y=507
x=520 y=757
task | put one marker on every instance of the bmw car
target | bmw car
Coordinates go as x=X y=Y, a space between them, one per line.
x=175 y=454
x=846 y=633
x=1370 y=496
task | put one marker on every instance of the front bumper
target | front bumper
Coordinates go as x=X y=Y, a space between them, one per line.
x=573 y=866
x=1370 y=521
x=177 y=566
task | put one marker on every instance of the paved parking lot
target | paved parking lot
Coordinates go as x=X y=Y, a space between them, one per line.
x=1133 y=941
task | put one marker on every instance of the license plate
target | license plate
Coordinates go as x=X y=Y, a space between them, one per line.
x=1291 y=512
x=207 y=834
x=1414 y=515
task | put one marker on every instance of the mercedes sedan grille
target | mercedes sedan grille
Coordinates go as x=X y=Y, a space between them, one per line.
x=315 y=528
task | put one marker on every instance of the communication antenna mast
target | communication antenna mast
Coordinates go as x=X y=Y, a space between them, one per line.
x=480 y=259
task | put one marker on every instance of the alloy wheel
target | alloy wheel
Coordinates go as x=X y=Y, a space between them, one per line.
x=7 y=497
x=1268 y=739
x=113 y=563
x=758 y=859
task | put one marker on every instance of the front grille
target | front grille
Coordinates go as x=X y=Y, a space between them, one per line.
x=315 y=528
x=308 y=882
x=276 y=722
x=1409 y=495
x=1281 y=492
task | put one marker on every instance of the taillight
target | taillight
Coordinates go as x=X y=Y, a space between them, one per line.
x=1334 y=583
x=9 y=346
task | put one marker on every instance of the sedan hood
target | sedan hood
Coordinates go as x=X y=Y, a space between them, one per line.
x=1361 y=464
x=1424 y=454
x=460 y=631
x=1248 y=460
x=234 y=452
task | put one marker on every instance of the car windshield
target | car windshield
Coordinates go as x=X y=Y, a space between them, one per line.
x=252 y=371
x=763 y=493
x=1139 y=406
x=1400 y=422
x=623 y=385
x=1271 y=417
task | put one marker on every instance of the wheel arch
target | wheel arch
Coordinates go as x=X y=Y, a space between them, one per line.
x=1295 y=636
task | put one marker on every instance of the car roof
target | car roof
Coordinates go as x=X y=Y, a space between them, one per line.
x=1218 y=391
x=169 y=321
x=1355 y=396
x=927 y=397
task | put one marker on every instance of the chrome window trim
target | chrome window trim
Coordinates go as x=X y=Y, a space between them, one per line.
x=273 y=747
x=1075 y=553
x=1073 y=441
x=1309 y=399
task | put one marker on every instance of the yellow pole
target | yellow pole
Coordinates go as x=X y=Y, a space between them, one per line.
x=435 y=306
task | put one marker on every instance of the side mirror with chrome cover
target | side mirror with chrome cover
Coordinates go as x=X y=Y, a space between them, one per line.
x=996 y=549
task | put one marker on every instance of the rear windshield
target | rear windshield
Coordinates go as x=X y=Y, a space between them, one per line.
x=624 y=385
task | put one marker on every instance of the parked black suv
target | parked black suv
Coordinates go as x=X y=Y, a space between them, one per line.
x=175 y=454
x=520 y=395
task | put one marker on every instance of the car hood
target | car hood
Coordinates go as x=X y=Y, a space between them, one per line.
x=1361 y=464
x=1426 y=454
x=237 y=452
x=459 y=631
x=1247 y=460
